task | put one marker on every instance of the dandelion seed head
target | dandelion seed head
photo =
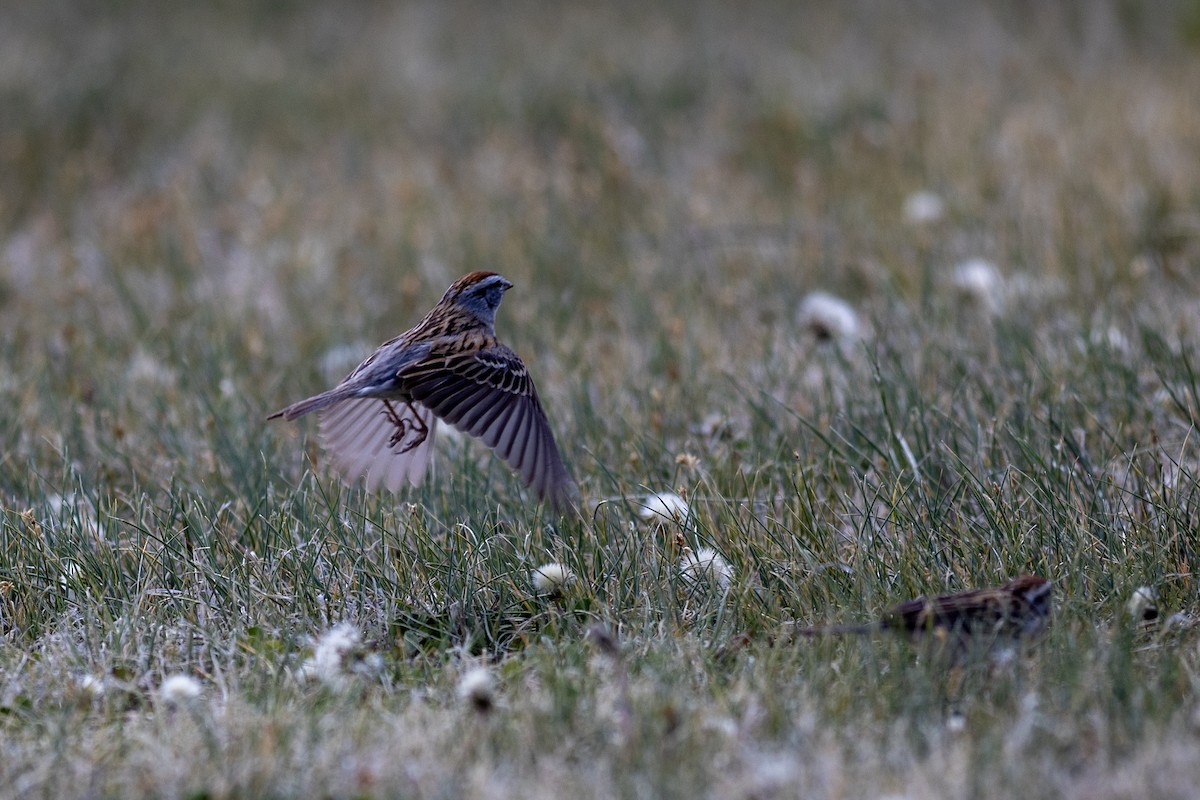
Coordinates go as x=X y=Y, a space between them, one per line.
x=664 y=507
x=179 y=690
x=978 y=282
x=552 y=578
x=1143 y=604
x=706 y=565
x=91 y=686
x=339 y=655
x=477 y=688
x=829 y=318
x=336 y=643
x=923 y=207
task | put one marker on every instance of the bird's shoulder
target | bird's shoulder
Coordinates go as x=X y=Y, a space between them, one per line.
x=389 y=358
x=476 y=356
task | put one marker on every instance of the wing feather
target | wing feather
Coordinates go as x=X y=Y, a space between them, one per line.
x=532 y=469
x=361 y=438
x=515 y=420
x=472 y=397
x=488 y=394
x=470 y=416
x=491 y=423
x=348 y=430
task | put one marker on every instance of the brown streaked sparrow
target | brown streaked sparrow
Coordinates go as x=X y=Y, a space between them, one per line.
x=382 y=418
x=1018 y=609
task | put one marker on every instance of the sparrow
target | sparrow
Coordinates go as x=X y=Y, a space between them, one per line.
x=381 y=420
x=1017 y=610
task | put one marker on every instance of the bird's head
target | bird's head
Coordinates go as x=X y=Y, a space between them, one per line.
x=478 y=294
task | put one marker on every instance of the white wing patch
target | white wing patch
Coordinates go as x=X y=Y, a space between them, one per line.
x=362 y=436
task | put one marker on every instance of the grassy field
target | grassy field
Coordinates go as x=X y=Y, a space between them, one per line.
x=210 y=210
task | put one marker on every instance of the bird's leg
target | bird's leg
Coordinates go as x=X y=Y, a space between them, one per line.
x=405 y=426
x=397 y=420
x=418 y=425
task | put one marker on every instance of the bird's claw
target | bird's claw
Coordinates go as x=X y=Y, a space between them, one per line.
x=405 y=426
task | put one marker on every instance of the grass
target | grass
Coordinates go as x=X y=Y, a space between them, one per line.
x=206 y=213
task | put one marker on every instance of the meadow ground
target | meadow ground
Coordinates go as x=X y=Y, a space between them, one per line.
x=209 y=210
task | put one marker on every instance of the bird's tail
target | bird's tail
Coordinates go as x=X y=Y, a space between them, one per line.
x=315 y=403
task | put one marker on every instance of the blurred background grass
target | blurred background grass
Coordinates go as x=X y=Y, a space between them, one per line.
x=209 y=211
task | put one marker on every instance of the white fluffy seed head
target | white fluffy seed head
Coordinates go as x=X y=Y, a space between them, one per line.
x=706 y=566
x=338 y=655
x=977 y=281
x=91 y=686
x=552 y=578
x=477 y=688
x=664 y=507
x=179 y=690
x=1143 y=604
x=829 y=318
x=923 y=207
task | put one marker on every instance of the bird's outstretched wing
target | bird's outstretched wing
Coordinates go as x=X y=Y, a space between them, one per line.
x=488 y=393
x=389 y=440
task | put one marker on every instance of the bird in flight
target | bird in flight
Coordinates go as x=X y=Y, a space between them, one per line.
x=381 y=420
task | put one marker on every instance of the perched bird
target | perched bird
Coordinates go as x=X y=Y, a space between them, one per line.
x=1018 y=609
x=381 y=420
